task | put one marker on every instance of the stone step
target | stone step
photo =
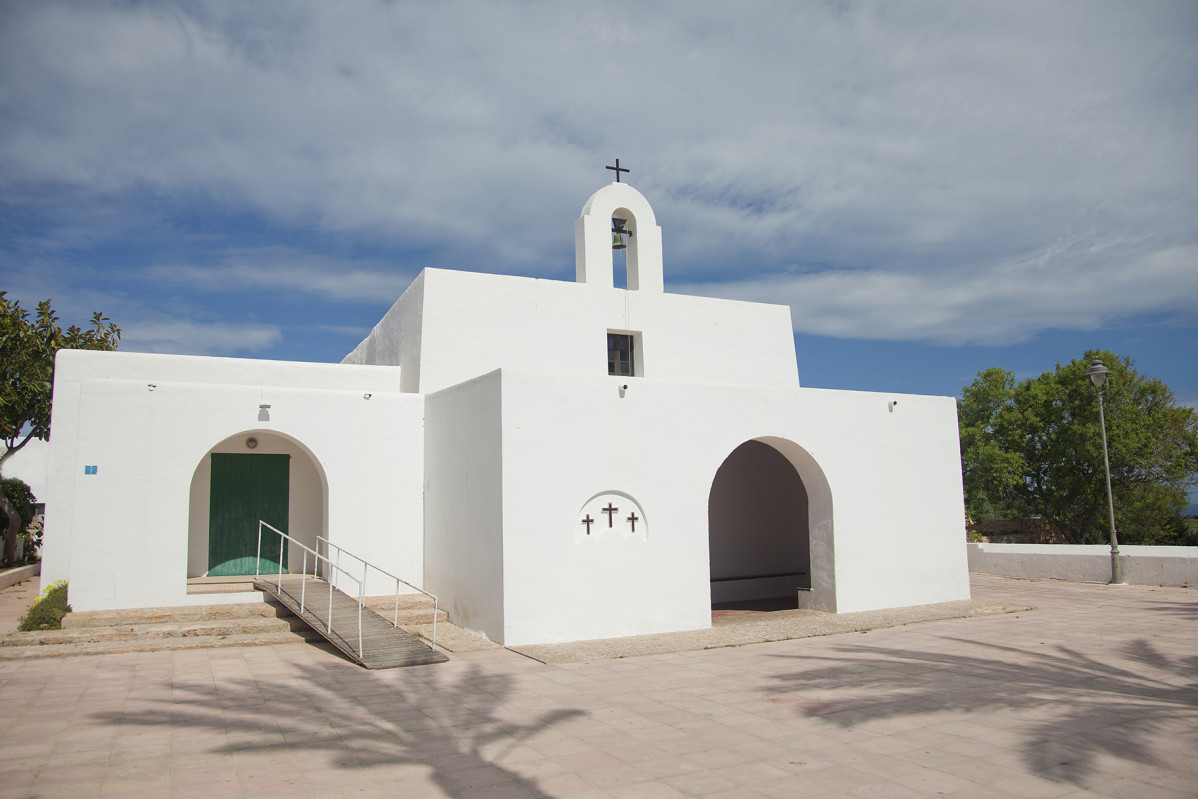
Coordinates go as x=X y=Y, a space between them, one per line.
x=406 y=601
x=156 y=631
x=169 y=615
x=413 y=609
x=410 y=613
x=158 y=645
x=221 y=588
x=262 y=622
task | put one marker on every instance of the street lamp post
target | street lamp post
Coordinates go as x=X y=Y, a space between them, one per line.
x=1098 y=378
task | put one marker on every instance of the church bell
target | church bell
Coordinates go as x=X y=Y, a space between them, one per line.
x=619 y=236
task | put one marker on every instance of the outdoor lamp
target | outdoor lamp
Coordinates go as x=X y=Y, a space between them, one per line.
x=1097 y=373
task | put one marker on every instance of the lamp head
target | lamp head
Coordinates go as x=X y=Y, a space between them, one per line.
x=1098 y=374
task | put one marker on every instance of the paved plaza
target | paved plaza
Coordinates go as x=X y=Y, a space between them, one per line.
x=1094 y=692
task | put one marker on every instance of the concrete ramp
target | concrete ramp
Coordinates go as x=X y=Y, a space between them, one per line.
x=363 y=635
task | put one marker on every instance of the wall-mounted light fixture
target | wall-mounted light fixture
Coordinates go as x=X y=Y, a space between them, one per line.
x=891 y=405
x=365 y=396
x=151 y=386
x=264 y=412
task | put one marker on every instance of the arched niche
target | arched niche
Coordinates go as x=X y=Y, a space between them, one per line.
x=611 y=515
x=770 y=526
x=593 y=262
x=306 y=500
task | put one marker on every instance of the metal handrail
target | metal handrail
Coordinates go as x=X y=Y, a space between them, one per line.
x=304 y=573
x=757 y=577
x=367 y=565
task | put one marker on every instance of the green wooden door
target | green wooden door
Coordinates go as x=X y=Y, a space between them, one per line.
x=246 y=488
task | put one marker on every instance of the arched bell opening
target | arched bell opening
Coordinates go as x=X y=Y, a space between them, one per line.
x=594 y=238
x=251 y=476
x=625 y=250
x=769 y=529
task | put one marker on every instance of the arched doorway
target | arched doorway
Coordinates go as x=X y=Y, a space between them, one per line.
x=256 y=474
x=770 y=527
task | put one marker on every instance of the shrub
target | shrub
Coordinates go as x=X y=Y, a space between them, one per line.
x=47 y=611
x=21 y=499
x=32 y=535
x=20 y=496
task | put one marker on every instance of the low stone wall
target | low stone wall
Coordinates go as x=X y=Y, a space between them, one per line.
x=1013 y=531
x=19 y=574
x=1176 y=566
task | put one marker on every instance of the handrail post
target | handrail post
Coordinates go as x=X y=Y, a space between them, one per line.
x=280 y=583
x=258 y=554
x=334 y=564
x=304 y=582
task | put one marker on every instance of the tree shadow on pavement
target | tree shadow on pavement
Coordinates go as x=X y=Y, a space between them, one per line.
x=1074 y=708
x=449 y=721
x=1185 y=611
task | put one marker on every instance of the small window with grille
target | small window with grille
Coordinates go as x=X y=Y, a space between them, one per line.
x=621 y=354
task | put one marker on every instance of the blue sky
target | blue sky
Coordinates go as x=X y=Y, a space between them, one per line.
x=933 y=187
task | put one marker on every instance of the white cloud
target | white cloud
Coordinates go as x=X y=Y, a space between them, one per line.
x=932 y=171
x=284 y=269
x=1055 y=289
x=190 y=337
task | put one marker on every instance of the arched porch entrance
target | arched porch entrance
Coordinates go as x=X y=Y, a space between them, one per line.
x=257 y=474
x=769 y=527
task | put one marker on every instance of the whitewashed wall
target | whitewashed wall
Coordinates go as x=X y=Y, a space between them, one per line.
x=896 y=534
x=396 y=339
x=120 y=536
x=482 y=477
x=472 y=324
x=464 y=542
x=895 y=474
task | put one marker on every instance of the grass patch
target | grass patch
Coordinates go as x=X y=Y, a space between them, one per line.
x=47 y=611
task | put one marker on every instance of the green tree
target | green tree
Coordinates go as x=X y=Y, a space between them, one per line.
x=1034 y=448
x=992 y=472
x=20 y=499
x=27 y=350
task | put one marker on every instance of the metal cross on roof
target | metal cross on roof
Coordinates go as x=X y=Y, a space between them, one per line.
x=618 y=169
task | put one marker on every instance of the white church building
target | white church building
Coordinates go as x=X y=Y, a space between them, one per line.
x=554 y=460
